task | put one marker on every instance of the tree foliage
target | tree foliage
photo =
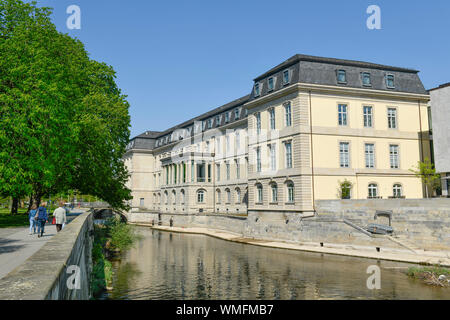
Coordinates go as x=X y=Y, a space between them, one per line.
x=64 y=123
x=427 y=173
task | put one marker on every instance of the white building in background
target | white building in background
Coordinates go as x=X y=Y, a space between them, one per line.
x=440 y=114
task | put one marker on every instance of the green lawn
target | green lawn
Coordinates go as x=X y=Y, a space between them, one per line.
x=8 y=221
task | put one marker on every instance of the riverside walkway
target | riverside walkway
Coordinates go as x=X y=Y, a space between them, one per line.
x=17 y=245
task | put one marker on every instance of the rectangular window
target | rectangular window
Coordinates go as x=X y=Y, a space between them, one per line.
x=227 y=117
x=218 y=172
x=341 y=76
x=217 y=151
x=394 y=156
x=201 y=174
x=342 y=114
x=287 y=110
x=288 y=147
x=217 y=121
x=228 y=171
x=272 y=118
x=370 y=155
x=258 y=123
x=390 y=81
x=366 y=79
x=273 y=157
x=237 y=142
x=227 y=144
x=141 y=202
x=368 y=116
x=209 y=173
x=209 y=123
x=192 y=170
x=270 y=84
x=260 y=194
x=238 y=170
x=344 y=154
x=258 y=159
x=392 y=118
x=285 y=76
x=236 y=114
x=257 y=92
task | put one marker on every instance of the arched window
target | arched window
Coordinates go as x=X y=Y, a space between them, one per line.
x=274 y=193
x=218 y=195
x=228 y=193
x=290 y=192
x=174 y=197
x=259 y=193
x=201 y=196
x=238 y=195
x=397 y=190
x=183 y=196
x=373 y=190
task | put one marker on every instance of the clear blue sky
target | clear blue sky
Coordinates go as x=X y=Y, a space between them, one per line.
x=178 y=59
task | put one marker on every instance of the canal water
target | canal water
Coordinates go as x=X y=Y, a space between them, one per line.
x=173 y=266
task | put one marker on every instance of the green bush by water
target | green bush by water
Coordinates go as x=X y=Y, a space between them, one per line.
x=112 y=237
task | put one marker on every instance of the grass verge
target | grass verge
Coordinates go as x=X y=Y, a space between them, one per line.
x=435 y=276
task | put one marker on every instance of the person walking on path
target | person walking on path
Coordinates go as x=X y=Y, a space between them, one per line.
x=60 y=216
x=42 y=219
x=33 y=219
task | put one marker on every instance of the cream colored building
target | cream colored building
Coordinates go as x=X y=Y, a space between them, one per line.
x=309 y=124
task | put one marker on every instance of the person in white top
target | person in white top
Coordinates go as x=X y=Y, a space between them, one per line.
x=60 y=216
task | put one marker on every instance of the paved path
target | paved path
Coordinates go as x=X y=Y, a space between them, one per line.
x=17 y=245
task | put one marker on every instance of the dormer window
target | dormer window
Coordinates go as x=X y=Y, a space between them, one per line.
x=270 y=84
x=341 y=76
x=390 y=81
x=257 y=92
x=366 y=79
x=209 y=123
x=217 y=121
x=286 y=77
x=227 y=117
x=236 y=114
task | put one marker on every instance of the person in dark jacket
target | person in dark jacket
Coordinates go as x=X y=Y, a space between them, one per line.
x=42 y=219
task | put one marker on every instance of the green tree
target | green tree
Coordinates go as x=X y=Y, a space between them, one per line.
x=345 y=189
x=427 y=173
x=64 y=124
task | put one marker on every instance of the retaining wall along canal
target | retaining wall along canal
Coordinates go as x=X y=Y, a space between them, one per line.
x=418 y=224
x=48 y=274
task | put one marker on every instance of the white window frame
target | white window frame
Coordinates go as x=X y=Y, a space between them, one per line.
x=344 y=154
x=369 y=155
x=288 y=113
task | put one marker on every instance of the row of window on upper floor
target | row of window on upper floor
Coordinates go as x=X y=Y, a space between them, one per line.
x=368 y=114
x=341 y=78
x=366 y=79
x=202 y=126
x=272 y=121
x=271 y=81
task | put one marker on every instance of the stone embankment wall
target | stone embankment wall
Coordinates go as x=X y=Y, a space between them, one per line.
x=418 y=224
x=46 y=274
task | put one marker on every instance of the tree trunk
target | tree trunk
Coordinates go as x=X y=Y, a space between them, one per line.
x=15 y=206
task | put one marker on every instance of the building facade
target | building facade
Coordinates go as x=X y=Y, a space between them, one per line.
x=440 y=114
x=312 y=128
